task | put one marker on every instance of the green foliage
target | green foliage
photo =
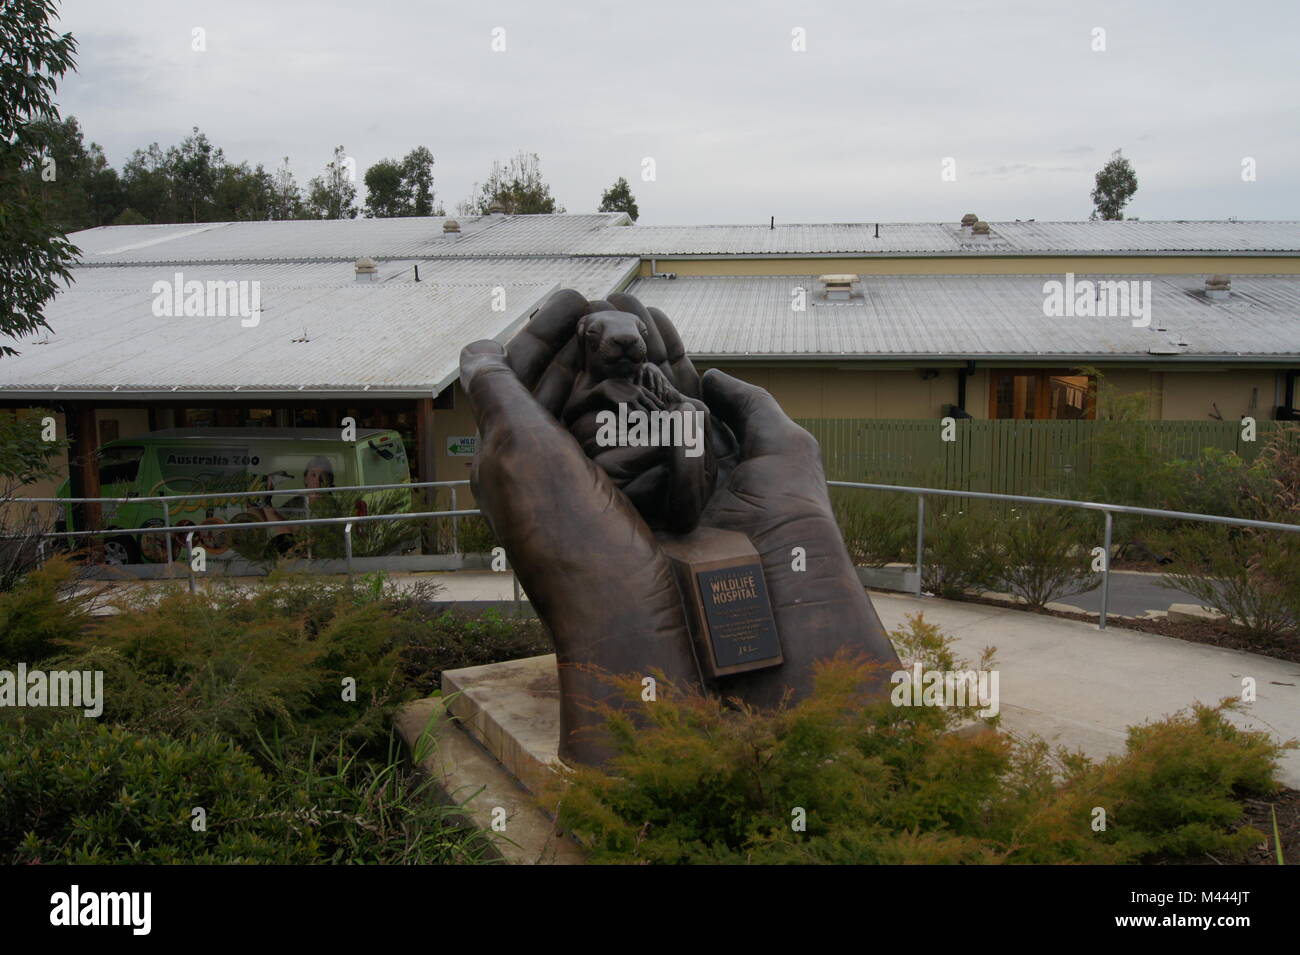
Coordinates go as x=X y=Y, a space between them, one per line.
x=1125 y=459
x=476 y=536
x=703 y=782
x=516 y=188
x=1115 y=185
x=247 y=664
x=195 y=687
x=1253 y=577
x=1216 y=482
x=333 y=194
x=401 y=188
x=878 y=528
x=84 y=792
x=961 y=548
x=25 y=456
x=619 y=198
x=1249 y=574
x=34 y=254
x=35 y=617
x=435 y=640
x=1047 y=553
x=1277 y=839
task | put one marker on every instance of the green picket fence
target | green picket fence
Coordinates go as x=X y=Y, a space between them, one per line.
x=1000 y=457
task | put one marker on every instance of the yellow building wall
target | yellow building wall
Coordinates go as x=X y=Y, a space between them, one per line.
x=457 y=421
x=1195 y=395
x=811 y=392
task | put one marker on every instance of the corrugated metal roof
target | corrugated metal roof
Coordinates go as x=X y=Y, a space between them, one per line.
x=390 y=336
x=593 y=276
x=1006 y=238
x=601 y=234
x=969 y=316
x=342 y=239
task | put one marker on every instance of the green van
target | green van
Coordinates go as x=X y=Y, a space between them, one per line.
x=285 y=462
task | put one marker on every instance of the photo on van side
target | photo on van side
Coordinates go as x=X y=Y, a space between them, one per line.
x=837 y=436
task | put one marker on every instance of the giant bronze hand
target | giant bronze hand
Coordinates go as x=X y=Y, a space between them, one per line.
x=592 y=567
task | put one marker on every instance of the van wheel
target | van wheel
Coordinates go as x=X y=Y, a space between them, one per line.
x=121 y=550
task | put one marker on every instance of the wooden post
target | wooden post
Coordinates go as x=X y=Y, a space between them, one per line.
x=83 y=464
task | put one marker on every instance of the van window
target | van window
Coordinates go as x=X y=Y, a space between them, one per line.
x=383 y=461
x=119 y=464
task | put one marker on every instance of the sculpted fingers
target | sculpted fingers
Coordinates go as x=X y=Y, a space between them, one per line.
x=532 y=350
x=685 y=376
x=756 y=419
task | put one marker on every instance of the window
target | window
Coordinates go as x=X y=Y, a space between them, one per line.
x=1041 y=395
x=119 y=465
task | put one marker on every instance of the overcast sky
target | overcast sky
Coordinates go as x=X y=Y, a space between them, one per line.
x=740 y=125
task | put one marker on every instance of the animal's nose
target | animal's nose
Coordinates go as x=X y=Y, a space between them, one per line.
x=630 y=345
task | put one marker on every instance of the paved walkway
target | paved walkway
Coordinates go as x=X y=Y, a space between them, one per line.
x=1080 y=687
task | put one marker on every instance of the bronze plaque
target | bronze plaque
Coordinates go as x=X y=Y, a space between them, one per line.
x=730 y=614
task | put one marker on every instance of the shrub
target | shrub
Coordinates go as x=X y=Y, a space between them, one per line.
x=1249 y=574
x=961 y=548
x=36 y=616
x=476 y=536
x=1252 y=577
x=877 y=527
x=1047 y=554
x=1215 y=482
x=84 y=792
x=434 y=640
x=874 y=783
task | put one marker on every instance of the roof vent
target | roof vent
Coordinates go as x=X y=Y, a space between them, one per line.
x=968 y=220
x=979 y=230
x=839 y=287
x=367 y=270
x=451 y=225
x=1218 y=287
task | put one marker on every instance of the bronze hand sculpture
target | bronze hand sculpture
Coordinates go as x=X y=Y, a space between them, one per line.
x=591 y=564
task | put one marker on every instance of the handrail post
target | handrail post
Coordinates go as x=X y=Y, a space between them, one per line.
x=920 y=539
x=189 y=546
x=455 y=526
x=167 y=522
x=347 y=549
x=1105 y=575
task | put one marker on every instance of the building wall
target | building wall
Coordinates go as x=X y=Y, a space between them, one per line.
x=454 y=422
x=812 y=392
x=1192 y=395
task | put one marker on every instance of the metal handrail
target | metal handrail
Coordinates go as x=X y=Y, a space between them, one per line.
x=1108 y=511
x=206 y=495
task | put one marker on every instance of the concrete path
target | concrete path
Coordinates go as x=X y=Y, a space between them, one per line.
x=1080 y=687
x=1132 y=594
